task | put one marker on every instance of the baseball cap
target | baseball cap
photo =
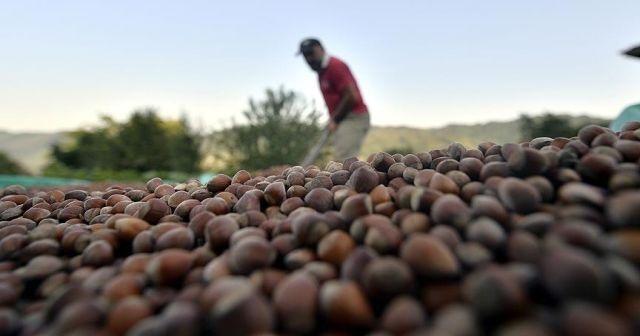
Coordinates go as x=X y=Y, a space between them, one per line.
x=634 y=52
x=308 y=44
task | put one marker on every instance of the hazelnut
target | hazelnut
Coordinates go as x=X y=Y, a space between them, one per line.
x=242 y=311
x=182 y=238
x=363 y=179
x=127 y=313
x=335 y=247
x=251 y=253
x=169 y=266
x=428 y=257
x=98 y=253
x=403 y=315
x=344 y=305
x=387 y=277
x=295 y=301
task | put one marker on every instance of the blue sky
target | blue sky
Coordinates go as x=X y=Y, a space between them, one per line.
x=418 y=63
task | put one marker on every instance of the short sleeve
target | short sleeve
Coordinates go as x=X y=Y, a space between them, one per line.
x=341 y=76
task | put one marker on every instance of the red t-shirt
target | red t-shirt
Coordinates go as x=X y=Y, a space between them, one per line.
x=333 y=79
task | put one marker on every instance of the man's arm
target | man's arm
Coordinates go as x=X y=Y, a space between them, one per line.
x=347 y=102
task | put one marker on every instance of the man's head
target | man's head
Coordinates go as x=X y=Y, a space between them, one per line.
x=313 y=53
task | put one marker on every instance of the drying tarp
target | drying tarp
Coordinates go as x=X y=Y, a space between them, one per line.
x=631 y=113
x=30 y=181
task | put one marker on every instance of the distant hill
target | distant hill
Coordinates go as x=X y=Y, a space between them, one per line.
x=420 y=139
x=31 y=150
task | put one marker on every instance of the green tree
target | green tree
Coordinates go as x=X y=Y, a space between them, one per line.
x=548 y=125
x=184 y=146
x=400 y=149
x=10 y=167
x=277 y=130
x=88 y=149
x=143 y=143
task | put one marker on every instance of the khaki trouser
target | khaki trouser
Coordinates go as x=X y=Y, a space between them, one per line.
x=348 y=137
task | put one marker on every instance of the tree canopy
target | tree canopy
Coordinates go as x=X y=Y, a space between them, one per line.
x=143 y=143
x=277 y=130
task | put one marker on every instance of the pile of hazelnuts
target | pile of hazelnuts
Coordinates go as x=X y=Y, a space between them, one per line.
x=535 y=238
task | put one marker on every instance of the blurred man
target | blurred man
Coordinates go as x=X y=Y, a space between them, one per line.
x=348 y=115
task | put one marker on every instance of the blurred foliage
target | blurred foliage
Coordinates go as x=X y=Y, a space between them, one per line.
x=278 y=130
x=553 y=125
x=403 y=149
x=127 y=151
x=9 y=166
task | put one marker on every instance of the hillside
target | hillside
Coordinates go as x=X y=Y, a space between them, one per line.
x=418 y=139
x=31 y=149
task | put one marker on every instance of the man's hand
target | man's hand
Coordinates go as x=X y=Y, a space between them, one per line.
x=332 y=126
x=349 y=97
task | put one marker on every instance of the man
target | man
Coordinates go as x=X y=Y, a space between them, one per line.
x=348 y=115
